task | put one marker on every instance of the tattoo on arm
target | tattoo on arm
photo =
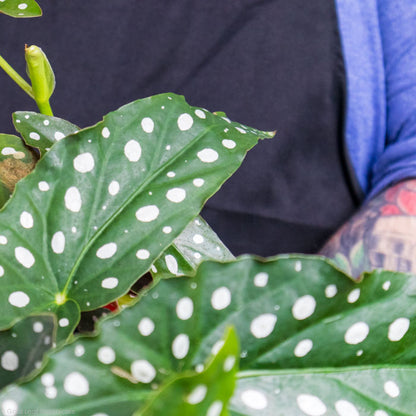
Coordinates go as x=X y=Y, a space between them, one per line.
x=381 y=235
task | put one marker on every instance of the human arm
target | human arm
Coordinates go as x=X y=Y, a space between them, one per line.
x=381 y=235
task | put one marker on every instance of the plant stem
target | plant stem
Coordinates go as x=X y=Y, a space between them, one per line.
x=45 y=108
x=16 y=77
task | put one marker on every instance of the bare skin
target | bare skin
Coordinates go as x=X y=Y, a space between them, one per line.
x=381 y=235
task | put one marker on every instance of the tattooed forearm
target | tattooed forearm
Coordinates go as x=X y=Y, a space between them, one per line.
x=381 y=235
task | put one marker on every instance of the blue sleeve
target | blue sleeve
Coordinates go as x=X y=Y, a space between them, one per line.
x=397 y=21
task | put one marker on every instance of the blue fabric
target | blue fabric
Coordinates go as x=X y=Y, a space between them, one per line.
x=379 y=44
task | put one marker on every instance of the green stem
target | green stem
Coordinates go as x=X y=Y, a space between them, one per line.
x=16 y=77
x=45 y=108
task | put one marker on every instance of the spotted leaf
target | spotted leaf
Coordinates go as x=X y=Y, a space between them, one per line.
x=301 y=322
x=204 y=393
x=197 y=243
x=22 y=347
x=20 y=8
x=361 y=391
x=40 y=131
x=88 y=222
x=16 y=162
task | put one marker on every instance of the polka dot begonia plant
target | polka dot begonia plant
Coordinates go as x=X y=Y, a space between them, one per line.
x=306 y=347
x=211 y=335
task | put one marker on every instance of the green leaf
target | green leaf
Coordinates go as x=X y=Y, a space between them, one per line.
x=22 y=347
x=299 y=320
x=197 y=243
x=16 y=162
x=93 y=216
x=206 y=393
x=41 y=131
x=362 y=391
x=20 y=8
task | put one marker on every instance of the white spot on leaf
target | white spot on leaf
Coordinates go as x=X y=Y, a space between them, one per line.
x=176 y=195
x=9 y=407
x=380 y=413
x=197 y=394
x=180 y=346
x=200 y=114
x=79 y=350
x=263 y=325
x=398 y=329
x=254 y=399
x=353 y=296
x=311 y=405
x=73 y=200
x=391 y=389
x=143 y=371
x=143 y=254
x=304 y=307
x=109 y=283
x=113 y=188
x=261 y=279
x=217 y=347
x=35 y=136
x=51 y=392
x=229 y=144
x=133 y=151
x=26 y=220
x=356 y=333
x=8 y=151
x=47 y=379
x=10 y=361
x=59 y=135
x=229 y=363
x=106 y=355
x=198 y=182
x=58 y=242
x=303 y=348
x=215 y=409
x=331 y=291
x=185 y=122
x=43 y=186
x=184 y=308
x=107 y=251
x=24 y=257
x=146 y=326
x=171 y=264
x=148 y=213
x=63 y=322
x=221 y=298
x=198 y=239
x=346 y=408
x=147 y=125
x=38 y=327
x=105 y=132
x=76 y=384
x=84 y=162
x=207 y=155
